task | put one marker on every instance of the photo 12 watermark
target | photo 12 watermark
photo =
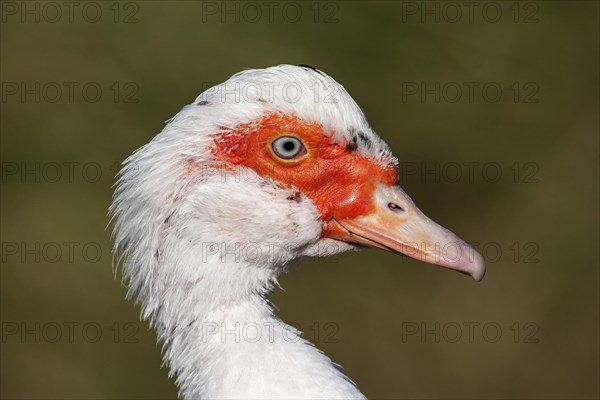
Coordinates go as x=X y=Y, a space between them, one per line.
x=488 y=332
x=71 y=12
x=51 y=172
x=469 y=12
x=270 y=12
x=51 y=252
x=266 y=331
x=470 y=172
x=270 y=92
x=69 y=92
x=469 y=92
x=69 y=332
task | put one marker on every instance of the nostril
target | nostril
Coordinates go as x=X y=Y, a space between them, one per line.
x=395 y=207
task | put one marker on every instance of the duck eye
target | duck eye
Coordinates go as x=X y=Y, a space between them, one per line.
x=288 y=147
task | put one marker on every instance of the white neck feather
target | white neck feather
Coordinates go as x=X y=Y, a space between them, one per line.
x=241 y=350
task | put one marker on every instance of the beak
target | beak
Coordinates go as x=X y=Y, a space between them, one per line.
x=397 y=225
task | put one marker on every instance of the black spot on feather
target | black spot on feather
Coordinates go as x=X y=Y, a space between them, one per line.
x=363 y=138
x=352 y=145
x=353 y=142
x=202 y=103
x=296 y=196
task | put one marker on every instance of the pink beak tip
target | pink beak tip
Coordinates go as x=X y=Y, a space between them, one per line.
x=477 y=267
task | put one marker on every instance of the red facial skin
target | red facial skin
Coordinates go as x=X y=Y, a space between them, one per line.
x=340 y=183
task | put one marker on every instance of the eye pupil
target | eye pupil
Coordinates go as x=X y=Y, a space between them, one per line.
x=289 y=146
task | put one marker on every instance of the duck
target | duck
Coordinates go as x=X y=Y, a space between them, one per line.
x=257 y=173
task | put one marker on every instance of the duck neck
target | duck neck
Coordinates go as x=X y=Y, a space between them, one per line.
x=222 y=340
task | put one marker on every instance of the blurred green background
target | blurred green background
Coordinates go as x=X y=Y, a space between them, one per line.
x=400 y=328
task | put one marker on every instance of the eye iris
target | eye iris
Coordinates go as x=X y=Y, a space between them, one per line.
x=288 y=147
